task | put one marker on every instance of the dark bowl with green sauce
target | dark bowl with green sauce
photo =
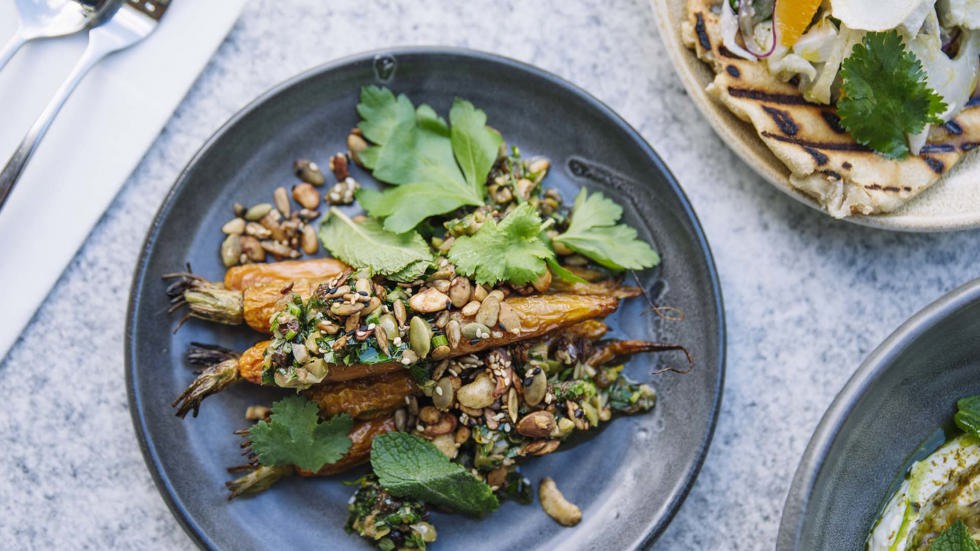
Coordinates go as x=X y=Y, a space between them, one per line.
x=629 y=479
x=895 y=410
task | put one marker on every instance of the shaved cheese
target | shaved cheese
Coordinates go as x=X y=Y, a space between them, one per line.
x=881 y=15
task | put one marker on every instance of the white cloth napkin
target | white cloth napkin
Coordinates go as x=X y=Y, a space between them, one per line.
x=95 y=143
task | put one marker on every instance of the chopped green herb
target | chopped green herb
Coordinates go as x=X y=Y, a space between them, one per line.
x=594 y=233
x=411 y=467
x=510 y=251
x=402 y=257
x=294 y=435
x=885 y=96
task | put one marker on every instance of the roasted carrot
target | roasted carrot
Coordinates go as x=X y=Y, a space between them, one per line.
x=536 y=316
x=240 y=278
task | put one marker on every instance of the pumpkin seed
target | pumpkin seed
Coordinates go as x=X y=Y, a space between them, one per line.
x=309 y=172
x=475 y=330
x=420 y=336
x=390 y=325
x=231 y=250
x=536 y=388
x=256 y=212
x=444 y=394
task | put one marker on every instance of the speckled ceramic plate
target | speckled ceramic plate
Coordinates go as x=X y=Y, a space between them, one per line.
x=629 y=479
x=953 y=203
x=900 y=398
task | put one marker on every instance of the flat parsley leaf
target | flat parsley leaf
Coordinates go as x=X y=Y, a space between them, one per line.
x=954 y=538
x=511 y=250
x=885 y=96
x=411 y=467
x=440 y=168
x=593 y=233
x=967 y=416
x=294 y=435
x=402 y=257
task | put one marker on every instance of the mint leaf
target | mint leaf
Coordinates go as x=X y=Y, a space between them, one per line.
x=967 y=417
x=411 y=467
x=510 y=251
x=885 y=96
x=294 y=435
x=593 y=233
x=368 y=245
x=954 y=538
x=475 y=145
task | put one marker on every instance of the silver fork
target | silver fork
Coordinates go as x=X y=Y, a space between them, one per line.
x=132 y=22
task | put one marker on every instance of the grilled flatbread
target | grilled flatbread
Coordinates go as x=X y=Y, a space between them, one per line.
x=824 y=161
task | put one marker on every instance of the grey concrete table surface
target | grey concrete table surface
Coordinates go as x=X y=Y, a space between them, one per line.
x=806 y=297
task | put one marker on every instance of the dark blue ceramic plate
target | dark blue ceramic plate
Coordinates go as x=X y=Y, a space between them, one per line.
x=899 y=398
x=629 y=480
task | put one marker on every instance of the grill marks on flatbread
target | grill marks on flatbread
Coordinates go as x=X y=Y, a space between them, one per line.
x=824 y=160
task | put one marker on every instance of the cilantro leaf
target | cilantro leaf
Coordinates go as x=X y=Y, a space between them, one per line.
x=411 y=467
x=368 y=245
x=593 y=233
x=509 y=251
x=444 y=168
x=954 y=538
x=967 y=416
x=885 y=96
x=294 y=435
x=407 y=206
x=381 y=113
x=475 y=145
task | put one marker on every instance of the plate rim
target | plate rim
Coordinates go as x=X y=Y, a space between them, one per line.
x=151 y=455
x=870 y=370
x=762 y=163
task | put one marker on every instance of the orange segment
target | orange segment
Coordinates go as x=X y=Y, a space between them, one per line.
x=792 y=17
